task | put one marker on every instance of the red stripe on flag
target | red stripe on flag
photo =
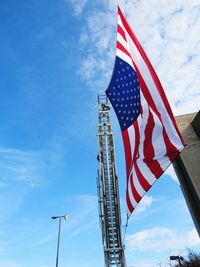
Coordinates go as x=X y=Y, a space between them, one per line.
x=171 y=149
x=127 y=149
x=123 y=49
x=145 y=185
x=136 y=196
x=121 y=31
x=149 y=153
x=137 y=138
x=128 y=202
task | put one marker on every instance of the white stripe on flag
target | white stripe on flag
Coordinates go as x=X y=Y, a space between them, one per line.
x=158 y=142
x=140 y=190
x=124 y=57
x=131 y=134
x=130 y=193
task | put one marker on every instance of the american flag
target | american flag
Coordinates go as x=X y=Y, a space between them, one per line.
x=150 y=134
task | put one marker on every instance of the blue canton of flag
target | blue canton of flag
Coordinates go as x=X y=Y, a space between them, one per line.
x=124 y=93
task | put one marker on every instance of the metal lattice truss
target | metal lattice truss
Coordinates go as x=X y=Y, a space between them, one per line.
x=108 y=192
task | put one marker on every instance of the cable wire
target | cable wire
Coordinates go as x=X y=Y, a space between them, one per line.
x=126 y=225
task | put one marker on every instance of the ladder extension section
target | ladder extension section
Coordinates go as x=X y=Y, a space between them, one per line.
x=108 y=192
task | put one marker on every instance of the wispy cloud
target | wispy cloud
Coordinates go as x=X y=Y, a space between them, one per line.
x=83 y=219
x=39 y=233
x=20 y=171
x=160 y=239
x=83 y=211
x=10 y=200
x=171 y=172
x=20 y=166
x=10 y=264
x=145 y=204
x=77 y=5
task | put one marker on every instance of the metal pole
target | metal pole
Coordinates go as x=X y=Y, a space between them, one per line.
x=58 y=245
x=179 y=261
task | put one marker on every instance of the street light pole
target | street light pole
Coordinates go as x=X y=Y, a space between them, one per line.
x=58 y=244
x=59 y=228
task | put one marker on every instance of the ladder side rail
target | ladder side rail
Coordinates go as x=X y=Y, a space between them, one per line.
x=108 y=195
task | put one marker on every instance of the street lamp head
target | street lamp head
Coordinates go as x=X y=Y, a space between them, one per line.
x=66 y=217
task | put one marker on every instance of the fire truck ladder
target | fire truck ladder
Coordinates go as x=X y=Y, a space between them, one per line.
x=108 y=192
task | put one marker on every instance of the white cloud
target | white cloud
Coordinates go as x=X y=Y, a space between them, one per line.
x=145 y=204
x=168 y=30
x=77 y=5
x=99 y=49
x=160 y=239
x=171 y=172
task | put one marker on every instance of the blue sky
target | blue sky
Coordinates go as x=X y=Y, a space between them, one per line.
x=55 y=57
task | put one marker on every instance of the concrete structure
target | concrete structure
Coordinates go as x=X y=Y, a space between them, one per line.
x=187 y=165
